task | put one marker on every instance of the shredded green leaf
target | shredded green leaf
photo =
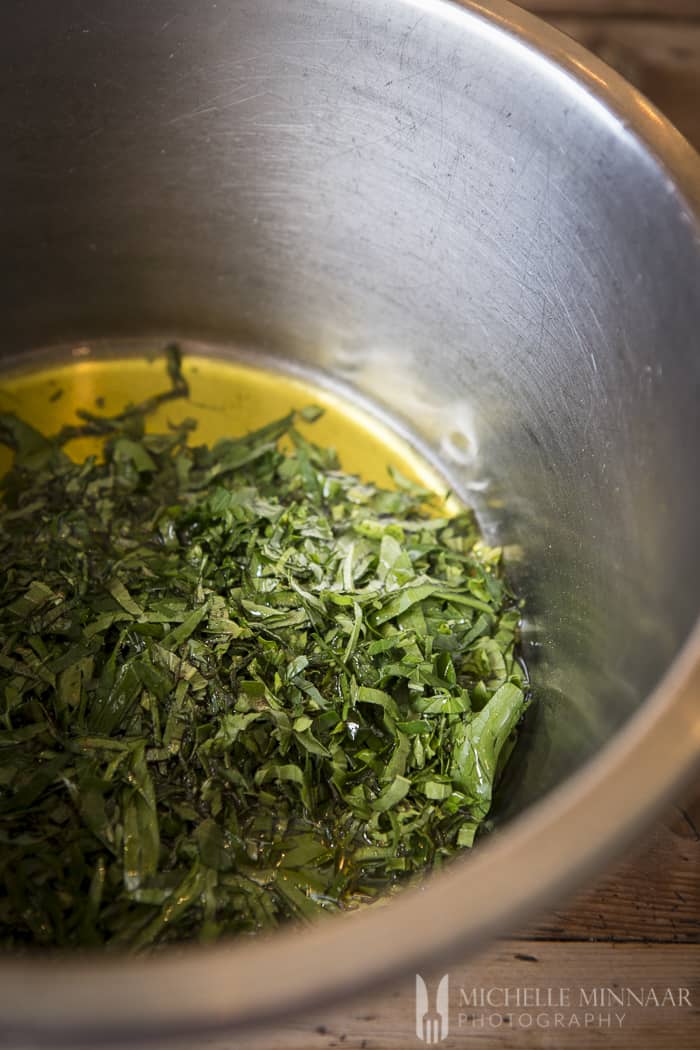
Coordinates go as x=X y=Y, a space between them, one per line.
x=237 y=685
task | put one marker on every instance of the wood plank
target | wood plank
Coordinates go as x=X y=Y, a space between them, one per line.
x=662 y=60
x=653 y=895
x=647 y=8
x=561 y=977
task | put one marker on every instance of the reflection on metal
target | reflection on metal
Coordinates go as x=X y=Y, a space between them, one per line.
x=469 y=191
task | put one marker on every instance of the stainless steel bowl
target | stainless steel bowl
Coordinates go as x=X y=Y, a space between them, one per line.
x=471 y=222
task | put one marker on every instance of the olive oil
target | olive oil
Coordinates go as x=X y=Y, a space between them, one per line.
x=227 y=398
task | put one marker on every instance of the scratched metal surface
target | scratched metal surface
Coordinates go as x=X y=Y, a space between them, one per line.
x=424 y=207
x=295 y=190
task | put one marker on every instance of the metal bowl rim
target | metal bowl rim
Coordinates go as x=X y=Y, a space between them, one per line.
x=544 y=854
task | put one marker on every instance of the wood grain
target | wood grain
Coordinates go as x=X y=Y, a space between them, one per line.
x=559 y=974
x=653 y=895
x=612 y=8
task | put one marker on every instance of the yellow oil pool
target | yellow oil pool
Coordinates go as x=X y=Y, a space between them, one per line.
x=228 y=398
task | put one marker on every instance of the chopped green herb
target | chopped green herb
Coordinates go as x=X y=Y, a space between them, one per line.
x=237 y=685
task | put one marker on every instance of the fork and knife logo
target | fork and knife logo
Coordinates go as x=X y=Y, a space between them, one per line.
x=432 y=1026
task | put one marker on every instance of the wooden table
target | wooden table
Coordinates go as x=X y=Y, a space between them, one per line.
x=638 y=928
